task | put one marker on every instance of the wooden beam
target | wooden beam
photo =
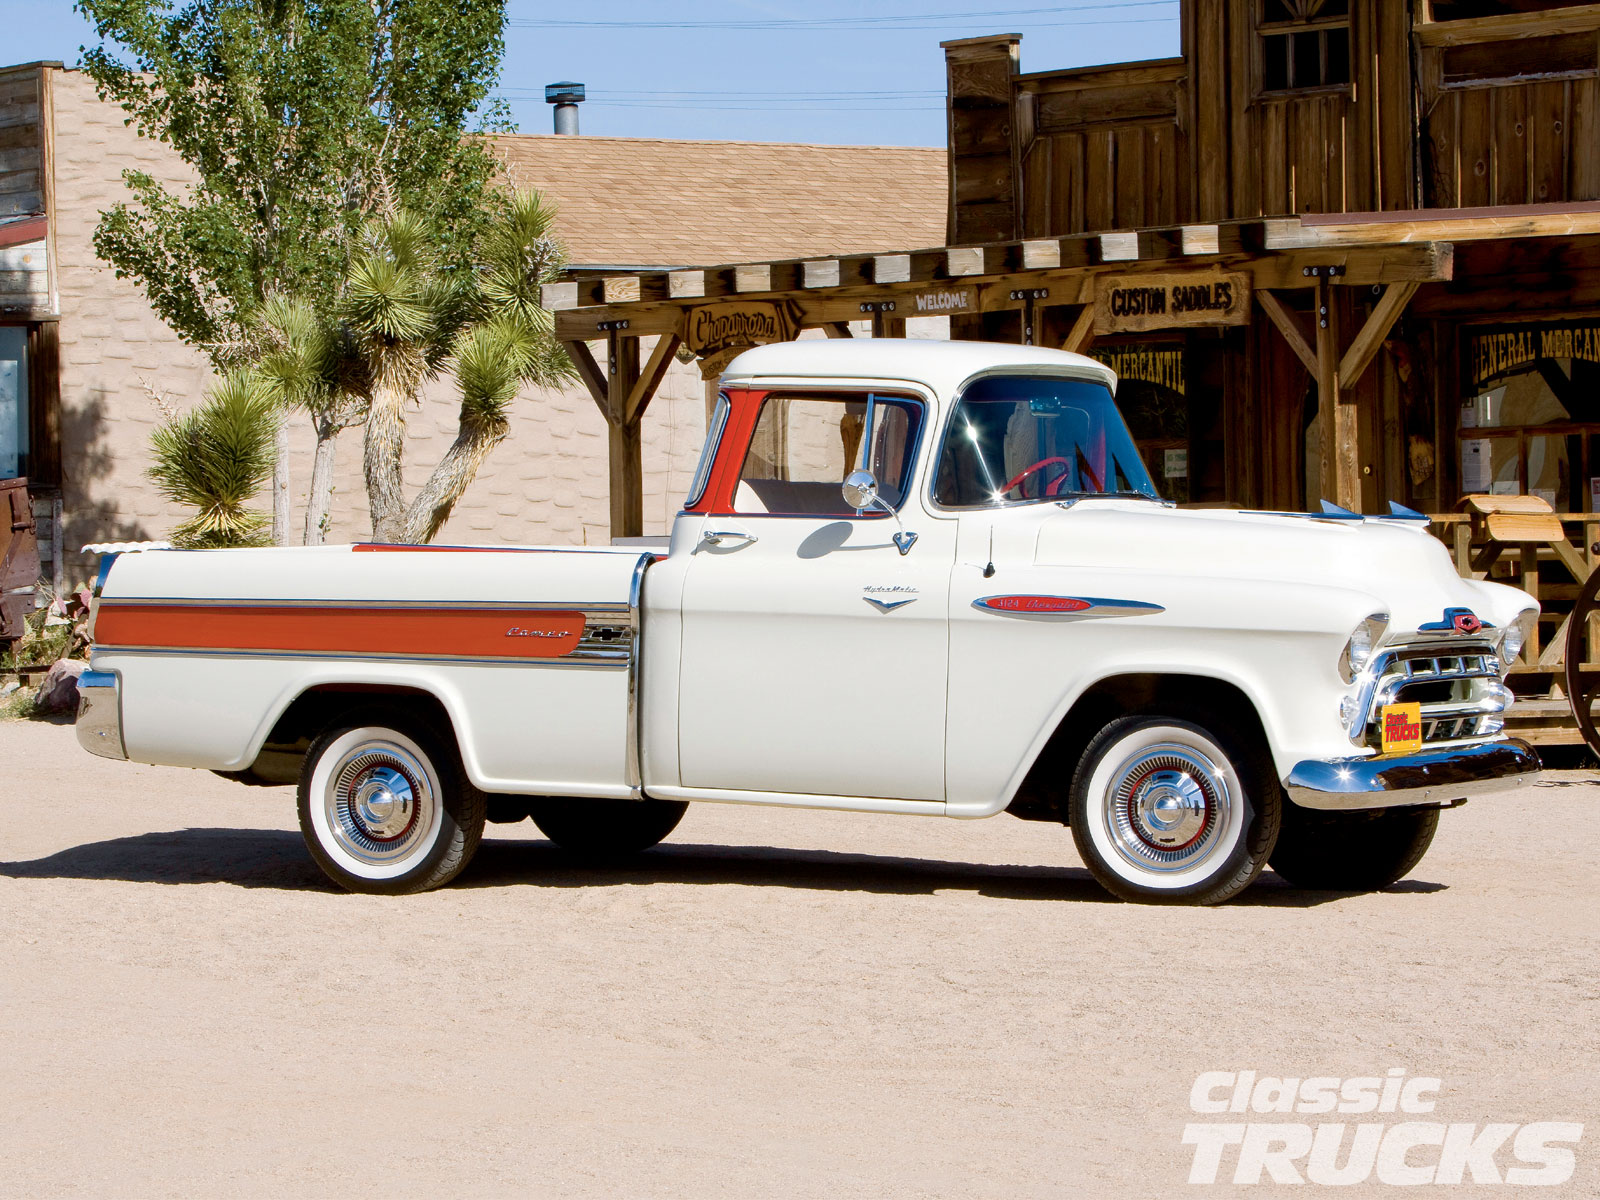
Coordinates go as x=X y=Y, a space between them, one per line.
x=820 y=273
x=1199 y=239
x=838 y=329
x=1395 y=298
x=593 y=377
x=655 y=370
x=625 y=441
x=686 y=284
x=556 y=296
x=1364 y=267
x=1119 y=247
x=1336 y=419
x=1289 y=325
x=964 y=260
x=1579 y=19
x=891 y=268
x=752 y=277
x=619 y=289
x=1041 y=253
x=1082 y=331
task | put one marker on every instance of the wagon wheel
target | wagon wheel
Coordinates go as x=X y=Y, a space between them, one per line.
x=1581 y=690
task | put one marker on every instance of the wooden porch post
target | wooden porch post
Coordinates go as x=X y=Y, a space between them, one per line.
x=625 y=438
x=623 y=392
x=1336 y=373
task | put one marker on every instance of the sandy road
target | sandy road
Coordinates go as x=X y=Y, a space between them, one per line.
x=772 y=1004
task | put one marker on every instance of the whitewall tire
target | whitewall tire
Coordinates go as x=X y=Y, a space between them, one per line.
x=386 y=808
x=1166 y=811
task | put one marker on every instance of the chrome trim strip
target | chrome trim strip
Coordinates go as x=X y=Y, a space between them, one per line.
x=1431 y=777
x=635 y=777
x=611 y=658
x=99 y=723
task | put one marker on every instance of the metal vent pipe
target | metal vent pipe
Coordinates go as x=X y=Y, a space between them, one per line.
x=566 y=97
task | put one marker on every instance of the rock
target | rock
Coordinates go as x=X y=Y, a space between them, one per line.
x=7 y=688
x=59 y=691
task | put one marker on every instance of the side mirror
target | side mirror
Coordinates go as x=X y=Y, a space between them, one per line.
x=860 y=490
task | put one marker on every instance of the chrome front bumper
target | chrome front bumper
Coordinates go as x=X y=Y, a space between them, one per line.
x=1430 y=777
x=99 y=721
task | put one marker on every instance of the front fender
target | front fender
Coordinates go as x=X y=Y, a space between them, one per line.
x=1016 y=678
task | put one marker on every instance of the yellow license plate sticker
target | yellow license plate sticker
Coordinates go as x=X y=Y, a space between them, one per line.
x=1402 y=727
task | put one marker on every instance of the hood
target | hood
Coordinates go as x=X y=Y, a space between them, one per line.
x=1407 y=572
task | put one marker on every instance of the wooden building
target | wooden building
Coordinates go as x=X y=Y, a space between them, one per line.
x=1337 y=249
x=1371 y=227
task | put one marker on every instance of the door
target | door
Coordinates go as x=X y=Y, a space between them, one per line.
x=814 y=651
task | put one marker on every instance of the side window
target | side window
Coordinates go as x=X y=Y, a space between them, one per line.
x=804 y=446
x=708 y=455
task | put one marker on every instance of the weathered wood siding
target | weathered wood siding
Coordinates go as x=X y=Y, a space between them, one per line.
x=1102 y=149
x=983 y=139
x=1511 y=109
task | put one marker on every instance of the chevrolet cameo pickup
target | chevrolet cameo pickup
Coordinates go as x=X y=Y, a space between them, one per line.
x=930 y=578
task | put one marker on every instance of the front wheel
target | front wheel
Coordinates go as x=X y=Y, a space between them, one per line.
x=1352 y=851
x=386 y=808
x=1165 y=811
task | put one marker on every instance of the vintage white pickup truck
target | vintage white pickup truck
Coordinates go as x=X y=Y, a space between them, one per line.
x=914 y=577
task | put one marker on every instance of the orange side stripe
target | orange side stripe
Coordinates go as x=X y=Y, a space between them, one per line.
x=422 y=632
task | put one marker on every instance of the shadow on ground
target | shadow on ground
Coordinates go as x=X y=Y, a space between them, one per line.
x=275 y=858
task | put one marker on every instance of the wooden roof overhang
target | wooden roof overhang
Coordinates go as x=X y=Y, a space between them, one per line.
x=1394 y=252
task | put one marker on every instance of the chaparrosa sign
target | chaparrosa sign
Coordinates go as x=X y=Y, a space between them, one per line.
x=717 y=333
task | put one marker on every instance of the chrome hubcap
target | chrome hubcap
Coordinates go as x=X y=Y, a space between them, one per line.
x=379 y=804
x=1169 y=807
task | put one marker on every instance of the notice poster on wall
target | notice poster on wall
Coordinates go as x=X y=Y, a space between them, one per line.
x=1176 y=464
x=1475 y=471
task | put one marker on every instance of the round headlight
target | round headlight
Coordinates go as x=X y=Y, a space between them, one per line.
x=1358 y=650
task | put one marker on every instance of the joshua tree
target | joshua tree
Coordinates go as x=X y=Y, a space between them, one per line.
x=405 y=318
x=306 y=361
x=216 y=457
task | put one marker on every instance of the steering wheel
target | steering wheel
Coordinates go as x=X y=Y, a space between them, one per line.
x=1054 y=485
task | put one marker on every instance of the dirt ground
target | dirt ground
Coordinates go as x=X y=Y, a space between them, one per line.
x=772 y=1004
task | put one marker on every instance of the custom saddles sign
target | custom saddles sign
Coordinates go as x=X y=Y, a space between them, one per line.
x=717 y=333
x=1136 y=303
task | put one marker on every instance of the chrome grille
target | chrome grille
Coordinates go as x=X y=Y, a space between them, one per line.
x=1457 y=688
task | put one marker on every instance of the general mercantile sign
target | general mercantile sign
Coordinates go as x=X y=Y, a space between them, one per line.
x=717 y=333
x=1137 y=303
x=1505 y=350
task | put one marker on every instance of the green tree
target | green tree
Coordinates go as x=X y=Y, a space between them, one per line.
x=404 y=318
x=302 y=121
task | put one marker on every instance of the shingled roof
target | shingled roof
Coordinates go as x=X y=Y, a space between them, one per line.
x=655 y=202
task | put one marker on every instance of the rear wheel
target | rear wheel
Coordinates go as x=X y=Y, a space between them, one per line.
x=605 y=828
x=1352 y=851
x=385 y=807
x=1167 y=811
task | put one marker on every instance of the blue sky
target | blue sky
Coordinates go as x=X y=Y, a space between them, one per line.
x=860 y=73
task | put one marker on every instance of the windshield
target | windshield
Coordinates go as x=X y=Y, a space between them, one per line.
x=1014 y=439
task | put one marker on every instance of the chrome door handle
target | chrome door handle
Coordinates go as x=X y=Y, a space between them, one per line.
x=721 y=537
